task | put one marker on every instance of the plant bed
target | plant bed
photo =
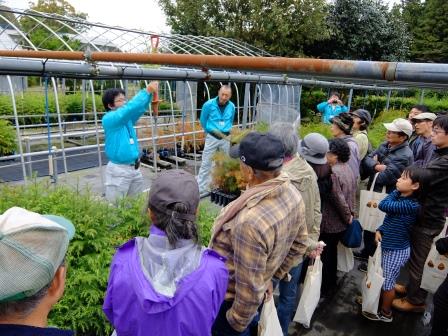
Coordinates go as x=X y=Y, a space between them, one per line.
x=220 y=197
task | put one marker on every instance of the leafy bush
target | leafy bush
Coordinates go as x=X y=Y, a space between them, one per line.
x=100 y=228
x=31 y=106
x=7 y=138
x=376 y=104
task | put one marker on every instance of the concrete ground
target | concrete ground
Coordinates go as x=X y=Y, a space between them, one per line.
x=341 y=316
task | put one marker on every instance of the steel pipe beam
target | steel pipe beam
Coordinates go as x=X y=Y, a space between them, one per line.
x=29 y=67
x=390 y=71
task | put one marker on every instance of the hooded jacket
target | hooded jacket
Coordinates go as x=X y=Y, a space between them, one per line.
x=304 y=179
x=434 y=198
x=134 y=307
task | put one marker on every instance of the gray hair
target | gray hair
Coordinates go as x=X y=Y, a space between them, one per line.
x=288 y=135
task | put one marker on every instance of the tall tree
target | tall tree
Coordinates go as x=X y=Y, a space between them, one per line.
x=431 y=34
x=365 y=30
x=280 y=27
x=41 y=36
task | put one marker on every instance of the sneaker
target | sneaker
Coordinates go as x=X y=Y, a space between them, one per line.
x=360 y=256
x=378 y=317
x=362 y=267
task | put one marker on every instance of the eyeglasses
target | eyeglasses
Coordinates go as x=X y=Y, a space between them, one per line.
x=120 y=100
x=438 y=131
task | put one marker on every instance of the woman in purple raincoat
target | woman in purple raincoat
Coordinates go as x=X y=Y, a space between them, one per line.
x=167 y=284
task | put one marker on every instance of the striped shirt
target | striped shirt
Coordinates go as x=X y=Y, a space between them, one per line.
x=401 y=214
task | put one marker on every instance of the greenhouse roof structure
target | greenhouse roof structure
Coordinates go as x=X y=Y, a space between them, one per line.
x=101 y=37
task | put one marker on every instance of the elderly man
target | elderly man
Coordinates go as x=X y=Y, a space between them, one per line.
x=262 y=233
x=216 y=119
x=415 y=110
x=422 y=147
x=304 y=179
x=434 y=200
x=123 y=176
x=389 y=161
x=32 y=275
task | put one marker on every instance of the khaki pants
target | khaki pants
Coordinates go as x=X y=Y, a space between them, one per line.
x=122 y=180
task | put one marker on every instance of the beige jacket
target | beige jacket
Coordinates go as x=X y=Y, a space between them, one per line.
x=304 y=179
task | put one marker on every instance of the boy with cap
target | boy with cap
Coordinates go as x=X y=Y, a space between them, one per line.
x=422 y=147
x=388 y=160
x=262 y=233
x=32 y=275
x=166 y=284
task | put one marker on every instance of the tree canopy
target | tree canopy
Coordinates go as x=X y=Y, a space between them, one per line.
x=279 y=27
x=41 y=36
x=429 y=29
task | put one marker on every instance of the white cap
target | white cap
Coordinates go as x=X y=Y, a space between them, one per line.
x=32 y=247
x=425 y=115
x=399 y=125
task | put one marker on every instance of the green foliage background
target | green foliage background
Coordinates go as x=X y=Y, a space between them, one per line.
x=100 y=228
x=7 y=138
x=31 y=106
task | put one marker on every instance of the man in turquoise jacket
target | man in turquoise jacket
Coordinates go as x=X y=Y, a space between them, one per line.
x=123 y=176
x=216 y=119
x=332 y=107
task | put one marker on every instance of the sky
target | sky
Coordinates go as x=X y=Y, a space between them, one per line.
x=133 y=14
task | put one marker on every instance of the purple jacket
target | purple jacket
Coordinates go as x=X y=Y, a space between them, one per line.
x=134 y=308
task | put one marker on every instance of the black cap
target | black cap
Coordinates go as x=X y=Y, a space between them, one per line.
x=260 y=151
x=175 y=186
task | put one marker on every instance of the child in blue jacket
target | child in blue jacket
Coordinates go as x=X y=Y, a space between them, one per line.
x=401 y=208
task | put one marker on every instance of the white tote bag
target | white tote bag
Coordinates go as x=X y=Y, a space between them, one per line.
x=346 y=262
x=310 y=295
x=269 y=324
x=370 y=216
x=372 y=283
x=436 y=266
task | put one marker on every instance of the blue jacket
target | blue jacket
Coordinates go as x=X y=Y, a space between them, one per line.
x=121 y=139
x=329 y=111
x=401 y=214
x=213 y=119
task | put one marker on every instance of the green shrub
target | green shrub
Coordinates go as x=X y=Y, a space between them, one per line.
x=7 y=138
x=31 y=107
x=100 y=228
x=376 y=104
